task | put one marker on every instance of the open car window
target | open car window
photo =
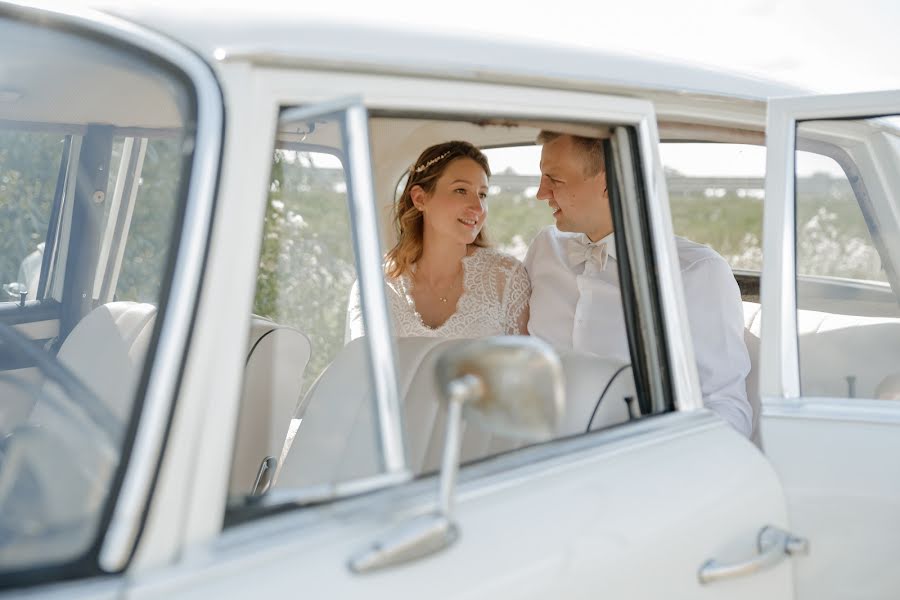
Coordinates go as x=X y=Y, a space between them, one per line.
x=716 y=193
x=308 y=426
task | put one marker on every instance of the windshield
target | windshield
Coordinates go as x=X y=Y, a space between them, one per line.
x=94 y=145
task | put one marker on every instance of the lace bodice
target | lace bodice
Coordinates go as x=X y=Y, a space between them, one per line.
x=494 y=301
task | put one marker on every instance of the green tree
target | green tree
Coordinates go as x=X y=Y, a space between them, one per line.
x=29 y=167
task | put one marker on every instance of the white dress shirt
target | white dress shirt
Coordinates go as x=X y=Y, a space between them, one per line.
x=576 y=304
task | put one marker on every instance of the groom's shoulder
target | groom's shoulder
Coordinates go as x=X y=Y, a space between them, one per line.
x=547 y=249
x=546 y=238
x=695 y=256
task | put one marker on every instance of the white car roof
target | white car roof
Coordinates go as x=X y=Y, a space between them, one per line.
x=281 y=35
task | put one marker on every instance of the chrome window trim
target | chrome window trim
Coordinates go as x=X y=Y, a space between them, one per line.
x=367 y=250
x=628 y=188
x=119 y=539
x=367 y=245
x=685 y=380
x=114 y=199
x=820 y=408
x=60 y=253
x=779 y=365
x=123 y=225
x=183 y=296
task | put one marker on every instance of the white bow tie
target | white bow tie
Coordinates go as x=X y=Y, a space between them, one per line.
x=580 y=251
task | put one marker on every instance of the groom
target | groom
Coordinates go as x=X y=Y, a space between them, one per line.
x=575 y=298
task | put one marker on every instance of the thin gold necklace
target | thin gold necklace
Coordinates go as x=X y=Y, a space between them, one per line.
x=443 y=298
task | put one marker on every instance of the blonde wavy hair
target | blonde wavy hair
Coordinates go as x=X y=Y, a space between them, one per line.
x=409 y=222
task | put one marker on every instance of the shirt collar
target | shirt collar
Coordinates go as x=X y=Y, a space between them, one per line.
x=609 y=240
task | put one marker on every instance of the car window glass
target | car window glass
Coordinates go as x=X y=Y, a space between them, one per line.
x=152 y=221
x=71 y=365
x=716 y=195
x=301 y=382
x=833 y=239
x=848 y=318
x=29 y=171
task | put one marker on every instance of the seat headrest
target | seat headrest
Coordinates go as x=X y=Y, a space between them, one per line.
x=106 y=350
x=889 y=388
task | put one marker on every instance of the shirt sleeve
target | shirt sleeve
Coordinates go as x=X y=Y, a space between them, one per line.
x=354 y=327
x=715 y=317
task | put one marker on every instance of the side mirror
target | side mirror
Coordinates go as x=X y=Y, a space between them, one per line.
x=509 y=385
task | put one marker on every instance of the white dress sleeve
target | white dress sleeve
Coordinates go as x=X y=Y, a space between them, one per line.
x=516 y=294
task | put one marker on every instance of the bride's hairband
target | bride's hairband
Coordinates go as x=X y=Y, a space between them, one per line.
x=434 y=160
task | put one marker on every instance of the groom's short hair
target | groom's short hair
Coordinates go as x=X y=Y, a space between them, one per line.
x=590 y=148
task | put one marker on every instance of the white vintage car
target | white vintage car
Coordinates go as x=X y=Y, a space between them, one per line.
x=185 y=203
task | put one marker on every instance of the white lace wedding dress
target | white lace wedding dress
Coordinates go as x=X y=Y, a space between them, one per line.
x=494 y=301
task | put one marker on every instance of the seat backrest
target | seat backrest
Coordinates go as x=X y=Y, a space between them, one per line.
x=889 y=388
x=599 y=393
x=837 y=352
x=846 y=355
x=273 y=379
x=106 y=351
x=751 y=339
x=337 y=437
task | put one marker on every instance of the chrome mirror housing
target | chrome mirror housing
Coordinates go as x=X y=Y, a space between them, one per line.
x=520 y=385
x=509 y=385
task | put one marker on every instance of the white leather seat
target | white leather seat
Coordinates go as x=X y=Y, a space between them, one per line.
x=751 y=339
x=845 y=355
x=273 y=378
x=337 y=439
x=833 y=348
x=106 y=351
x=889 y=388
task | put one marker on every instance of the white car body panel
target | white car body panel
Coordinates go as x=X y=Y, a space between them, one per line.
x=569 y=526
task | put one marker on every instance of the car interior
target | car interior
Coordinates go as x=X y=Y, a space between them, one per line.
x=319 y=455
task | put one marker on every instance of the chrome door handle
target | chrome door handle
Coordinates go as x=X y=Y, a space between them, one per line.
x=773 y=545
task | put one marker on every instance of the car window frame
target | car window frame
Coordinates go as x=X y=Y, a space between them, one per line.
x=121 y=522
x=289 y=89
x=779 y=379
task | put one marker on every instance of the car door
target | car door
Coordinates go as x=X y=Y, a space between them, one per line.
x=831 y=416
x=673 y=505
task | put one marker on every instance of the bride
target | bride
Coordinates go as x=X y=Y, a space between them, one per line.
x=442 y=278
